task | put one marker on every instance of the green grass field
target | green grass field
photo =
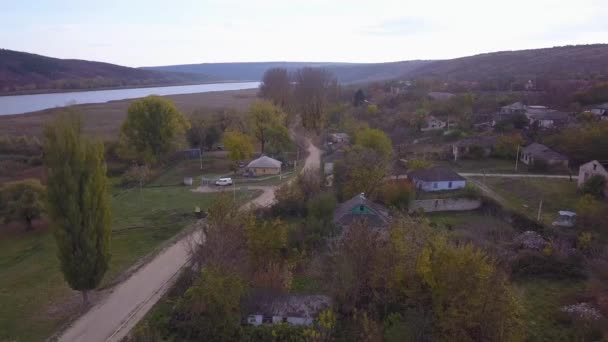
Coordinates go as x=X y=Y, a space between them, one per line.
x=35 y=300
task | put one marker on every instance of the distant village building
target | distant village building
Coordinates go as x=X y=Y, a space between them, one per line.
x=538 y=152
x=514 y=108
x=359 y=209
x=433 y=123
x=440 y=95
x=294 y=309
x=436 y=179
x=263 y=166
x=337 y=138
x=464 y=147
x=601 y=111
x=546 y=118
x=593 y=168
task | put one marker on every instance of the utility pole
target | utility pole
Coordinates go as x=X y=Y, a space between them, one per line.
x=517 y=157
x=540 y=209
x=200 y=157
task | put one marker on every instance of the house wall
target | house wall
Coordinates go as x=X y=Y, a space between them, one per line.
x=445 y=204
x=440 y=186
x=587 y=170
x=528 y=159
x=262 y=171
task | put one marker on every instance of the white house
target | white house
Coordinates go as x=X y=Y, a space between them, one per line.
x=294 y=309
x=263 y=166
x=436 y=179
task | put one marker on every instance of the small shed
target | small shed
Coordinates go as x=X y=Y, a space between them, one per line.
x=593 y=168
x=436 y=179
x=263 y=166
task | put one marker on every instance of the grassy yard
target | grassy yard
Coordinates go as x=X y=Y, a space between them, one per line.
x=492 y=165
x=524 y=195
x=542 y=300
x=34 y=299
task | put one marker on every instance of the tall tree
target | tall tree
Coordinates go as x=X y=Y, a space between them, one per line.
x=313 y=90
x=265 y=119
x=376 y=140
x=276 y=87
x=238 y=144
x=23 y=200
x=78 y=203
x=152 y=127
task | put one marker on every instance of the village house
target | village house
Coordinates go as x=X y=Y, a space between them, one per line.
x=547 y=118
x=538 y=152
x=433 y=123
x=440 y=95
x=436 y=179
x=359 y=209
x=272 y=308
x=600 y=111
x=484 y=144
x=514 y=108
x=337 y=138
x=590 y=169
x=262 y=166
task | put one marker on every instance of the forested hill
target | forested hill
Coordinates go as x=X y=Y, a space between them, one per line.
x=345 y=72
x=26 y=72
x=557 y=63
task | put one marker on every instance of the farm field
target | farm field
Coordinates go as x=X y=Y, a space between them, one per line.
x=35 y=300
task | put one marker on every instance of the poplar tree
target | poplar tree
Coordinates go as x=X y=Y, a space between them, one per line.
x=78 y=204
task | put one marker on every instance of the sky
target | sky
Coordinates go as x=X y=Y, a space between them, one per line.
x=162 y=32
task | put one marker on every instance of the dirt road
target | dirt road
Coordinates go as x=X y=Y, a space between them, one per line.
x=114 y=316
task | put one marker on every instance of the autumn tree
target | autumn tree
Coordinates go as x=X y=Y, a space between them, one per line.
x=238 y=144
x=276 y=87
x=507 y=145
x=153 y=127
x=23 y=200
x=210 y=309
x=266 y=121
x=375 y=140
x=267 y=246
x=362 y=170
x=471 y=299
x=313 y=91
x=78 y=203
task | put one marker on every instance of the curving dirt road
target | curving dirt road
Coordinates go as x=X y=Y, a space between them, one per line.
x=114 y=316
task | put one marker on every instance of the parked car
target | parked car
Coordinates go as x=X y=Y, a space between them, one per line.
x=223 y=181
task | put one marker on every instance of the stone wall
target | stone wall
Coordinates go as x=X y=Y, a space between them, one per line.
x=445 y=204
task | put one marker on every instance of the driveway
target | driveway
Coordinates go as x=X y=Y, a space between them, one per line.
x=117 y=313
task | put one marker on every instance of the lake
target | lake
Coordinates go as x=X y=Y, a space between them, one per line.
x=19 y=104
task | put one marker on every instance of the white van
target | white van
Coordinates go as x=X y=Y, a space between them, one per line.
x=223 y=181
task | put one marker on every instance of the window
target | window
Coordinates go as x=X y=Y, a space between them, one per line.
x=362 y=208
x=450 y=185
x=435 y=185
x=594 y=167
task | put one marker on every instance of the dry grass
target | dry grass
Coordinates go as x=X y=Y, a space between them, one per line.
x=104 y=119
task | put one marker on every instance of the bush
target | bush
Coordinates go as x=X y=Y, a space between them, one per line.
x=595 y=186
x=534 y=264
x=136 y=175
x=396 y=194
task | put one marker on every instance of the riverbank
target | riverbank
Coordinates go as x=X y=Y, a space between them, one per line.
x=104 y=119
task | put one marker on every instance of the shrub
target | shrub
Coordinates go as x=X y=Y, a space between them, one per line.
x=595 y=186
x=396 y=194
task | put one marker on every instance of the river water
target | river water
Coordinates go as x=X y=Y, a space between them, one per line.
x=19 y=104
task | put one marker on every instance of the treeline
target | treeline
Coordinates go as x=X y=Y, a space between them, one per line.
x=307 y=92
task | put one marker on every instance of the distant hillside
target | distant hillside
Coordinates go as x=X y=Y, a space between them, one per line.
x=26 y=72
x=558 y=63
x=345 y=72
